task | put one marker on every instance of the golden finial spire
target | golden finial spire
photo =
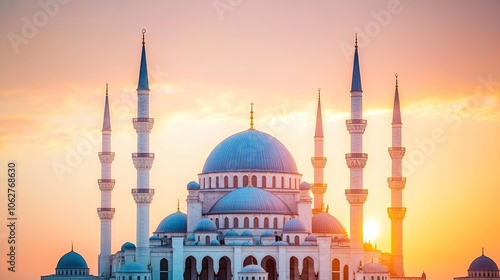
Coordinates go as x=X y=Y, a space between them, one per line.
x=319 y=94
x=482 y=251
x=251 y=115
x=71 y=245
x=356 y=41
x=396 y=75
x=178 y=208
x=143 y=32
x=107 y=84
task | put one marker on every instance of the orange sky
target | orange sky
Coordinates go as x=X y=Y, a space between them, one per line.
x=206 y=65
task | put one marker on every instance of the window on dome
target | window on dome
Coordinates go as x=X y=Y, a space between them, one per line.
x=217 y=182
x=264 y=185
x=245 y=180
x=204 y=182
x=246 y=222
x=217 y=222
x=275 y=223
x=207 y=240
x=235 y=223
x=226 y=182
x=266 y=222
x=289 y=183
x=274 y=182
x=296 y=240
x=256 y=222
x=209 y=182
x=226 y=222
x=254 y=181
x=282 y=182
x=235 y=181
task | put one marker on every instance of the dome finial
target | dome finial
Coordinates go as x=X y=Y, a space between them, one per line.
x=107 y=84
x=143 y=32
x=482 y=251
x=319 y=94
x=396 y=75
x=178 y=208
x=251 y=115
x=356 y=41
x=71 y=245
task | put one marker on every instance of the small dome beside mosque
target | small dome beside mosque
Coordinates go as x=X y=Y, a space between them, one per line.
x=294 y=225
x=231 y=233
x=311 y=238
x=134 y=267
x=250 y=150
x=175 y=222
x=193 y=186
x=127 y=246
x=325 y=223
x=253 y=268
x=267 y=233
x=247 y=233
x=304 y=186
x=374 y=268
x=205 y=225
x=72 y=260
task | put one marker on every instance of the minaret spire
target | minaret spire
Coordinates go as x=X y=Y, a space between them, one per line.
x=143 y=161
x=356 y=161
x=106 y=185
x=397 y=183
x=251 y=115
x=318 y=161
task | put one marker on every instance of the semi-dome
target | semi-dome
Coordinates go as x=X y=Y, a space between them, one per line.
x=483 y=263
x=72 y=260
x=325 y=223
x=127 y=246
x=374 y=268
x=250 y=200
x=294 y=225
x=205 y=225
x=134 y=267
x=250 y=150
x=252 y=268
x=175 y=222
x=193 y=186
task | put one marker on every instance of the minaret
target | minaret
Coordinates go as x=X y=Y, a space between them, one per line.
x=356 y=161
x=397 y=184
x=106 y=185
x=143 y=160
x=318 y=161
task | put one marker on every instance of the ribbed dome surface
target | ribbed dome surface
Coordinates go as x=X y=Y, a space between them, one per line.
x=325 y=223
x=127 y=245
x=483 y=263
x=250 y=200
x=72 y=260
x=175 y=222
x=253 y=268
x=205 y=225
x=250 y=150
x=374 y=268
x=134 y=267
x=294 y=225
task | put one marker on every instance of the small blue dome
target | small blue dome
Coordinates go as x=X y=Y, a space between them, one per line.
x=252 y=268
x=250 y=150
x=72 y=260
x=127 y=246
x=294 y=225
x=191 y=238
x=267 y=233
x=325 y=223
x=134 y=267
x=193 y=186
x=231 y=233
x=483 y=263
x=154 y=237
x=304 y=186
x=205 y=225
x=311 y=237
x=214 y=243
x=246 y=233
x=250 y=200
x=175 y=222
x=280 y=243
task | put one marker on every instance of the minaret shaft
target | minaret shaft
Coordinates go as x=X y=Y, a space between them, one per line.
x=318 y=162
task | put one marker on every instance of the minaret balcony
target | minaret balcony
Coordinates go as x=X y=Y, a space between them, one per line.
x=356 y=196
x=397 y=152
x=396 y=213
x=106 y=213
x=318 y=188
x=356 y=160
x=356 y=126
x=143 y=160
x=106 y=157
x=106 y=184
x=143 y=124
x=318 y=162
x=396 y=183
x=143 y=196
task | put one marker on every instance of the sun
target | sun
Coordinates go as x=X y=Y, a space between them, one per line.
x=371 y=230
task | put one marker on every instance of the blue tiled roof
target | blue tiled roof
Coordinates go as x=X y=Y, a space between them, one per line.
x=250 y=150
x=356 y=76
x=72 y=260
x=175 y=222
x=143 y=71
x=251 y=200
x=483 y=263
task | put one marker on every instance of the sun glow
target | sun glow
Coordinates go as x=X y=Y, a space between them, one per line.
x=371 y=230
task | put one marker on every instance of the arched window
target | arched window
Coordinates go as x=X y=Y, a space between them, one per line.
x=235 y=181
x=245 y=181
x=266 y=222
x=226 y=182
x=217 y=182
x=275 y=223
x=209 y=182
x=235 y=223
x=163 y=269
x=246 y=222
x=207 y=240
x=203 y=187
x=254 y=181
x=346 y=272
x=274 y=182
x=290 y=182
x=138 y=277
x=256 y=222
x=282 y=182
x=288 y=239
x=335 y=269
x=226 y=222
x=217 y=222
x=296 y=240
x=264 y=183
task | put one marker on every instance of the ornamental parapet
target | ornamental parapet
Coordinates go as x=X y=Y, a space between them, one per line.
x=356 y=196
x=143 y=124
x=143 y=160
x=106 y=213
x=106 y=157
x=318 y=188
x=356 y=160
x=356 y=126
x=318 y=162
x=106 y=184
x=396 y=213
x=397 y=152
x=143 y=196
x=396 y=183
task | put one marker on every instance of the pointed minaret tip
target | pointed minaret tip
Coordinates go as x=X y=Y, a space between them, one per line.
x=356 y=76
x=396 y=113
x=106 y=124
x=251 y=115
x=319 y=119
x=143 y=71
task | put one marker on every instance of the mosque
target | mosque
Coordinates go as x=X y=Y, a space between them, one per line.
x=250 y=215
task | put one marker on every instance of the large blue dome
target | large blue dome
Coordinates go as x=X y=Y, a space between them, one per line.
x=483 y=263
x=176 y=222
x=250 y=200
x=72 y=260
x=250 y=150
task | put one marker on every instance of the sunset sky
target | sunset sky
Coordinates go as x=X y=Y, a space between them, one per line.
x=207 y=61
